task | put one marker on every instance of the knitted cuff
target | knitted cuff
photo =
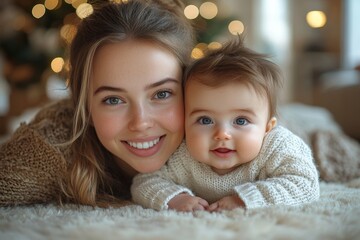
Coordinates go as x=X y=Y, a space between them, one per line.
x=167 y=194
x=250 y=195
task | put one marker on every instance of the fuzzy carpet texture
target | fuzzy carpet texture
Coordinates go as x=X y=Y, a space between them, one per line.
x=335 y=216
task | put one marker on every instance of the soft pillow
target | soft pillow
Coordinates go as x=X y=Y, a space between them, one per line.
x=336 y=155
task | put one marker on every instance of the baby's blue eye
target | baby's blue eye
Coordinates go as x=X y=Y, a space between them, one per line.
x=113 y=101
x=205 y=120
x=241 y=121
x=162 y=94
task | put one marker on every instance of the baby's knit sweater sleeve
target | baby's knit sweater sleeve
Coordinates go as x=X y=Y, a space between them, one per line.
x=287 y=173
x=155 y=190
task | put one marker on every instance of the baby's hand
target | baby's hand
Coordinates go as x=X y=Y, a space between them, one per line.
x=187 y=203
x=226 y=203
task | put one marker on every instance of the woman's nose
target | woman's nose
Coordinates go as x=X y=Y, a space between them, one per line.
x=222 y=133
x=140 y=118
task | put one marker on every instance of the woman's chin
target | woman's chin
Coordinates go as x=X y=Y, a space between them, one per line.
x=151 y=168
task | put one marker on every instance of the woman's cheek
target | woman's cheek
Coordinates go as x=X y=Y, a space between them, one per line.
x=106 y=126
x=173 y=117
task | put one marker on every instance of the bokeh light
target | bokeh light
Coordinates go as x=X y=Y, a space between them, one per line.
x=214 y=45
x=191 y=12
x=316 y=19
x=202 y=46
x=77 y=3
x=84 y=10
x=51 y=4
x=236 y=27
x=197 y=53
x=208 y=10
x=38 y=10
x=57 y=64
x=67 y=32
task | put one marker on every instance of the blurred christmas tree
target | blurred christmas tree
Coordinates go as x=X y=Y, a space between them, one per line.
x=31 y=36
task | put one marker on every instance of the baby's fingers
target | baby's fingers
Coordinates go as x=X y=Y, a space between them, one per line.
x=203 y=203
x=213 y=207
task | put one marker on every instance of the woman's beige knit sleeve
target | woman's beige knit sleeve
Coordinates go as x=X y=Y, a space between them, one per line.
x=30 y=165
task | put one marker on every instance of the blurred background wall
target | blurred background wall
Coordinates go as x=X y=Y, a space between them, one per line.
x=314 y=42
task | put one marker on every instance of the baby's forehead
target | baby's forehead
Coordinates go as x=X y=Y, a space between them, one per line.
x=196 y=89
x=214 y=80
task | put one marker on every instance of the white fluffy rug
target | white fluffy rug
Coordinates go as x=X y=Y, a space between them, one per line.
x=335 y=216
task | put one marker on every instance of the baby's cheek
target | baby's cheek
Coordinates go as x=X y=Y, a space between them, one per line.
x=249 y=148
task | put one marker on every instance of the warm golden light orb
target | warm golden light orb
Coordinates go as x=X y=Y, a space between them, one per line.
x=57 y=64
x=316 y=19
x=84 y=10
x=197 y=53
x=208 y=10
x=38 y=10
x=236 y=27
x=191 y=12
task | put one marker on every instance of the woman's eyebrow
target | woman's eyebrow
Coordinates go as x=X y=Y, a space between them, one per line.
x=108 y=88
x=159 y=83
x=118 y=89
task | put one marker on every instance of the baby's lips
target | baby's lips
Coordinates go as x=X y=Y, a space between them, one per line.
x=222 y=150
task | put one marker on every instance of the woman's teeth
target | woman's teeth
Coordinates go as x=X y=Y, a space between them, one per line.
x=144 y=145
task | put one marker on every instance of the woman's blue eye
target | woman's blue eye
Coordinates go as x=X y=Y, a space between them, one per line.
x=241 y=121
x=162 y=94
x=113 y=101
x=205 y=121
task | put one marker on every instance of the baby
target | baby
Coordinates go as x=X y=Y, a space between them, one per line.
x=234 y=154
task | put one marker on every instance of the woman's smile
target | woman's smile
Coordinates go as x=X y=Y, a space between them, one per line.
x=144 y=148
x=143 y=145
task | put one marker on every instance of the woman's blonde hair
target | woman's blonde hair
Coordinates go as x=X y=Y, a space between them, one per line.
x=162 y=22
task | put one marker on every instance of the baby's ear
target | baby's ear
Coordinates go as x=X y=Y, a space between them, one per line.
x=271 y=124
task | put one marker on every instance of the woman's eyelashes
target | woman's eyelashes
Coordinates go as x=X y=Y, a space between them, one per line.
x=158 y=95
x=163 y=94
x=112 y=101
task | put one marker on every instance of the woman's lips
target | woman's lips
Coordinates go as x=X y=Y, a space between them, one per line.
x=144 y=144
x=144 y=148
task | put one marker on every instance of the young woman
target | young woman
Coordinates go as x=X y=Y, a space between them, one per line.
x=125 y=115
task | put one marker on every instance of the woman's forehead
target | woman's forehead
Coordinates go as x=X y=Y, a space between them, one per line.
x=134 y=63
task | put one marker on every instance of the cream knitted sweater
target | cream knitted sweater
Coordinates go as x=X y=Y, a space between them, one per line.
x=282 y=173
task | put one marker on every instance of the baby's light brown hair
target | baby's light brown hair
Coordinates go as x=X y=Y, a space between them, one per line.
x=236 y=63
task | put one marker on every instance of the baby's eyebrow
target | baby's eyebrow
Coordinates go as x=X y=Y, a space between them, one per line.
x=247 y=111
x=242 y=110
x=198 y=110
